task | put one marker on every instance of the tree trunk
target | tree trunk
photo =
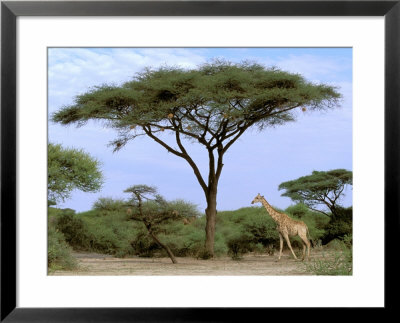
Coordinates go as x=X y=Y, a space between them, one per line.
x=165 y=247
x=211 y=213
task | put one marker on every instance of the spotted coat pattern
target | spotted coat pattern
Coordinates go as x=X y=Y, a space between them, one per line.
x=286 y=227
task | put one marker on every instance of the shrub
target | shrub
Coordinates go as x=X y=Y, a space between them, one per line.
x=260 y=248
x=58 y=251
x=253 y=222
x=237 y=247
x=340 y=225
x=348 y=240
x=143 y=245
x=220 y=246
x=108 y=204
x=74 y=230
x=204 y=254
x=183 y=240
x=109 y=235
x=245 y=230
x=298 y=210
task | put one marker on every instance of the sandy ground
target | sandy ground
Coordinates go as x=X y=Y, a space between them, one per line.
x=91 y=264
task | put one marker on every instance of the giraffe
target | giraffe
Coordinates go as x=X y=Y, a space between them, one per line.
x=286 y=227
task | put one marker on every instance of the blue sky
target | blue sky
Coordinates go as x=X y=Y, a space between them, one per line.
x=257 y=163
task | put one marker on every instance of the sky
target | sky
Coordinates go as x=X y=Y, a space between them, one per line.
x=257 y=163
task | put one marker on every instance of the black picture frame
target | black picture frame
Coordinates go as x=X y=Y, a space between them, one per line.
x=11 y=10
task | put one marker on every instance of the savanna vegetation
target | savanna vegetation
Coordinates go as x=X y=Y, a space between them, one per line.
x=212 y=106
x=146 y=225
x=67 y=169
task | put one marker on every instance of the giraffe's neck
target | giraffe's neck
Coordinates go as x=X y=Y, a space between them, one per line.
x=274 y=214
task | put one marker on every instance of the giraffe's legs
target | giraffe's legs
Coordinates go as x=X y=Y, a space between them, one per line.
x=305 y=243
x=304 y=251
x=280 y=246
x=290 y=246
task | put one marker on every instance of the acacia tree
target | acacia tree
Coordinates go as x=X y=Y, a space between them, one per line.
x=153 y=210
x=319 y=188
x=70 y=169
x=212 y=105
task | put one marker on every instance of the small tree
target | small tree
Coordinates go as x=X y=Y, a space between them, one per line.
x=70 y=169
x=213 y=106
x=319 y=189
x=153 y=210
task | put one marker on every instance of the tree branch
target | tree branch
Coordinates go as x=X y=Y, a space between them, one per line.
x=317 y=210
x=186 y=156
x=162 y=143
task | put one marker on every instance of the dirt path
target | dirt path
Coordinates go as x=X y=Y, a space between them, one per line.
x=91 y=264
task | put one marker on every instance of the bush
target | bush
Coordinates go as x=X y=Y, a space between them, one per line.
x=184 y=240
x=237 y=247
x=245 y=230
x=143 y=245
x=112 y=234
x=108 y=204
x=109 y=235
x=58 y=251
x=298 y=210
x=339 y=226
x=74 y=230
x=253 y=222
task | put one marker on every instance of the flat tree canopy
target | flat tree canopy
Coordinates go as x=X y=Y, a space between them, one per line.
x=70 y=169
x=212 y=105
x=319 y=188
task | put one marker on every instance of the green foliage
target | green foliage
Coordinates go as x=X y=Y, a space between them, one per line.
x=108 y=204
x=212 y=105
x=184 y=240
x=109 y=235
x=70 y=169
x=319 y=188
x=197 y=100
x=143 y=245
x=59 y=255
x=246 y=230
x=298 y=211
x=238 y=232
x=114 y=234
x=51 y=203
x=238 y=244
x=220 y=246
x=253 y=220
x=340 y=225
x=74 y=229
x=154 y=211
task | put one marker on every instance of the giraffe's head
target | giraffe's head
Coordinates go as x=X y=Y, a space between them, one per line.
x=257 y=199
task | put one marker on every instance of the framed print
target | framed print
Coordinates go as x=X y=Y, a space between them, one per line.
x=130 y=226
